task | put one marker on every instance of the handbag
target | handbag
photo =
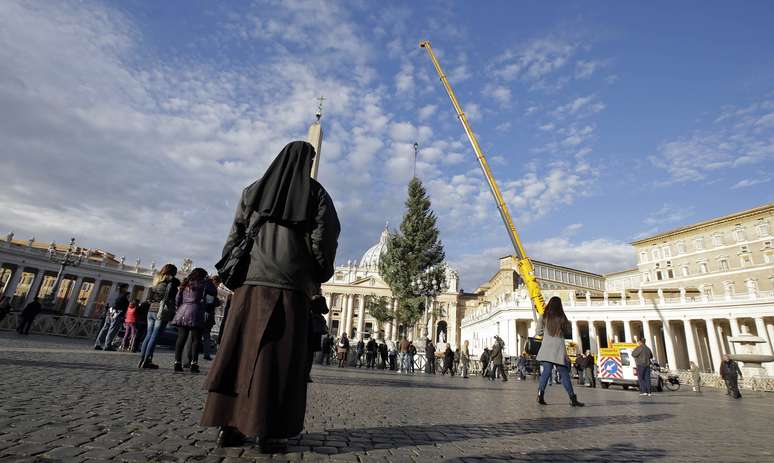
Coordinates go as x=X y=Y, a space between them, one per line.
x=533 y=345
x=232 y=267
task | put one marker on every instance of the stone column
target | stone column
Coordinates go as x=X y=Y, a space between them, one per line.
x=576 y=332
x=648 y=335
x=361 y=317
x=734 y=332
x=628 y=331
x=721 y=339
x=73 y=299
x=761 y=328
x=609 y=332
x=593 y=341
x=713 y=344
x=35 y=287
x=669 y=345
x=770 y=329
x=690 y=342
x=89 y=309
x=350 y=309
x=13 y=282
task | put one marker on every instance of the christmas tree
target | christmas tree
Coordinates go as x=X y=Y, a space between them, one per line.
x=414 y=254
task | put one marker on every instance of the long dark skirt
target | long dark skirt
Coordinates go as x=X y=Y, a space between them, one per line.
x=257 y=382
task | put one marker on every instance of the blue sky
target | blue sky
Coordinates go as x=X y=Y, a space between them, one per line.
x=134 y=125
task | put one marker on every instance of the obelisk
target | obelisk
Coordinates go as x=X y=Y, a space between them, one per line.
x=315 y=138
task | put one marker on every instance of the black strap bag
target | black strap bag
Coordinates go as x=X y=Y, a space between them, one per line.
x=533 y=345
x=232 y=267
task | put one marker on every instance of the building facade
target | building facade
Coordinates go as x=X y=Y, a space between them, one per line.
x=351 y=286
x=693 y=289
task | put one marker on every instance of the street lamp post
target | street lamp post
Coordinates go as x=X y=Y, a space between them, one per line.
x=428 y=286
x=69 y=259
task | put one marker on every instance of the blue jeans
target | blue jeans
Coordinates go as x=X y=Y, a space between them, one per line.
x=405 y=361
x=564 y=376
x=643 y=379
x=112 y=325
x=155 y=326
x=102 y=335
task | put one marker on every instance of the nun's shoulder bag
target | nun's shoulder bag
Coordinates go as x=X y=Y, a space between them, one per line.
x=232 y=267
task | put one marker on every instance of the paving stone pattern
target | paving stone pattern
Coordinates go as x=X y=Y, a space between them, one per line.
x=62 y=401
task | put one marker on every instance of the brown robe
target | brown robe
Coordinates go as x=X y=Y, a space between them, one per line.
x=257 y=382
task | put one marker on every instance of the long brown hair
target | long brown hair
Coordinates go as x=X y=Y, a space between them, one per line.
x=198 y=274
x=166 y=270
x=554 y=319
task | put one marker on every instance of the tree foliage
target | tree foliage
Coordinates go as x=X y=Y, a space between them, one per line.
x=379 y=308
x=411 y=252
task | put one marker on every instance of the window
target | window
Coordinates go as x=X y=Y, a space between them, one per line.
x=767 y=245
x=723 y=265
x=680 y=245
x=658 y=275
x=703 y=267
x=667 y=251
x=656 y=254
x=744 y=249
x=643 y=257
x=698 y=243
x=670 y=274
x=717 y=240
x=746 y=260
x=768 y=257
x=685 y=270
x=763 y=228
x=739 y=233
x=708 y=290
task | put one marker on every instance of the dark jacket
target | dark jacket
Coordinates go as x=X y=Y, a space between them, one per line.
x=371 y=346
x=294 y=257
x=730 y=370
x=32 y=309
x=190 y=305
x=497 y=353
x=642 y=356
x=163 y=297
x=121 y=305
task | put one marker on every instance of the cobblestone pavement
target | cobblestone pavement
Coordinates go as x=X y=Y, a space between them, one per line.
x=62 y=401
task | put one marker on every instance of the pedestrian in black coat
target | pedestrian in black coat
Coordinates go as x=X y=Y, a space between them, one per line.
x=28 y=316
x=730 y=372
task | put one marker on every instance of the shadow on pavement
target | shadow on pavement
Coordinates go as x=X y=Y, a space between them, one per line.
x=404 y=436
x=382 y=381
x=70 y=365
x=616 y=453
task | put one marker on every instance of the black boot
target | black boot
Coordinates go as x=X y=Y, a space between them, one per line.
x=574 y=401
x=540 y=398
x=229 y=437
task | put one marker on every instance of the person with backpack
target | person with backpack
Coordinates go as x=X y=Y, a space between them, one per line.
x=730 y=372
x=257 y=383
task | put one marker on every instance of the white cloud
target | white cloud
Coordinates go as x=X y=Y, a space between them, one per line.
x=748 y=182
x=404 y=79
x=584 y=69
x=669 y=214
x=581 y=106
x=499 y=93
x=737 y=139
x=426 y=111
x=599 y=255
x=535 y=60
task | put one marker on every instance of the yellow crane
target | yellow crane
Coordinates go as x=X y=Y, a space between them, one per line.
x=526 y=269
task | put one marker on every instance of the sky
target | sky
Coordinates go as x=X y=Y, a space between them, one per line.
x=134 y=125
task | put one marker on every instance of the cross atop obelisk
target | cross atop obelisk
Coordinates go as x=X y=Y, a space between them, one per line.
x=315 y=137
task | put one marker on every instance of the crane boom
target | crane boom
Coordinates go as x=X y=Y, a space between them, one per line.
x=525 y=267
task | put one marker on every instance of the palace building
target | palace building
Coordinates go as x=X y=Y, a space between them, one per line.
x=694 y=288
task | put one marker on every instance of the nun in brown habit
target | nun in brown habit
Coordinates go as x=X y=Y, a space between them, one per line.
x=257 y=383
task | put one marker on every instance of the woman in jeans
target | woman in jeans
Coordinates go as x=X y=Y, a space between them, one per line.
x=189 y=317
x=554 y=327
x=162 y=309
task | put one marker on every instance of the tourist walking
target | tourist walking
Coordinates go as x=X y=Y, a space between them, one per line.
x=642 y=357
x=412 y=352
x=448 y=361
x=318 y=331
x=696 y=377
x=327 y=350
x=484 y=360
x=189 y=317
x=163 y=300
x=28 y=316
x=590 y=365
x=113 y=321
x=371 y=353
x=429 y=357
x=342 y=349
x=456 y=363
x=730 y=372
x=140 y=325
x=404 y=355
x=384 y=356
x=465 y=358
x=521 y=367
x=580 y=366
x=257 y=384
x=130 y=328
x=496 y=359
x=360 y=352
x=554 y=327
x=5 y=307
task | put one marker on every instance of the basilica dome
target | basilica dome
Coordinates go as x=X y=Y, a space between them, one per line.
x=371 y=257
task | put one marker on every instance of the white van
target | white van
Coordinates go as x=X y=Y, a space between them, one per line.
x=616 y=366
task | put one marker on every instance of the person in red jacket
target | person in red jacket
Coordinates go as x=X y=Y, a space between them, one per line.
x=130 y=327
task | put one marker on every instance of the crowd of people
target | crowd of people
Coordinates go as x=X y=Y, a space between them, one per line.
x=188 y=305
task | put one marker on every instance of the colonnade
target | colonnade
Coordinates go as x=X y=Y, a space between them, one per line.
x=353 y=306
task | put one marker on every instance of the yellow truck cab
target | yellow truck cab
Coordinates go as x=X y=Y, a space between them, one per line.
x=616 y=366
